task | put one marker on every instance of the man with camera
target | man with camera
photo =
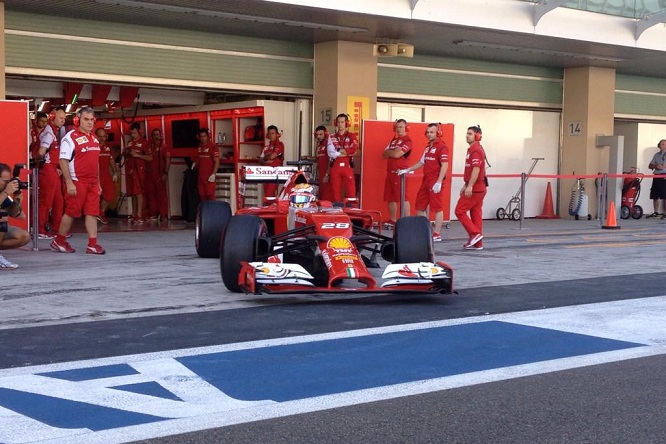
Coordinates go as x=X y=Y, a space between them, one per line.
x=10 y=206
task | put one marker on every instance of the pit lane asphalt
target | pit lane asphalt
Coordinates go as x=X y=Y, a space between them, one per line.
x=151 y=292
x=150 y=288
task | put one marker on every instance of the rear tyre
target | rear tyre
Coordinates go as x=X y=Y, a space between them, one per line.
x=515 y=214
x=239 y=243
x=637 y=212
x=413 y=240
x=212 y=216
x=625 y=212
x=500 y=214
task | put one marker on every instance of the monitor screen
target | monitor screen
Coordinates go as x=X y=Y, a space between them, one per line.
x=184 y=133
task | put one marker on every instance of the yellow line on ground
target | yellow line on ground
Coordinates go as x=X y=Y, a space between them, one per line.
x=615 y=244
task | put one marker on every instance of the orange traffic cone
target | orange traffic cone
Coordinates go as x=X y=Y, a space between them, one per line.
x=611 y=222
x=548 y=211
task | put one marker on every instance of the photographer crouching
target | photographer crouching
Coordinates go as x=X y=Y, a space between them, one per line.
x=10 y=206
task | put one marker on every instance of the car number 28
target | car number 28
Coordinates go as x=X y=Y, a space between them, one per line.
x=338 y=225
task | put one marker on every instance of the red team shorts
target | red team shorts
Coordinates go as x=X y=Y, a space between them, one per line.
x=135 y=182
x=392 y=188
x=427 y=197
x=86 y=200
x=108 y=189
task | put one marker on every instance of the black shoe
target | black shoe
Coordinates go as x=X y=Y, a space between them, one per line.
x=650 y=216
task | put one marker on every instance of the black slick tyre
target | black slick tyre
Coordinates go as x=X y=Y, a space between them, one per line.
x=413 y=240
x=239 y=243
x=212 y=216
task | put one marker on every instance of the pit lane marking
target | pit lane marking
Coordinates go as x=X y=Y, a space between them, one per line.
x=614 y=244
x=193 y=399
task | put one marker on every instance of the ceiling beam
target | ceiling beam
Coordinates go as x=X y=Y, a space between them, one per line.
x=543 y=7
x=649 y=21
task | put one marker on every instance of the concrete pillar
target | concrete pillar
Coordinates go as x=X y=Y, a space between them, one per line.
x=588 y=111
x=344 y=70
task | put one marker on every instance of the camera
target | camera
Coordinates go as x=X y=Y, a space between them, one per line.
x=15 y=176
x=3 y=223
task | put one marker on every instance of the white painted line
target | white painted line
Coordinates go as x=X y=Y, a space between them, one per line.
x=204 y=407
x=562 y=318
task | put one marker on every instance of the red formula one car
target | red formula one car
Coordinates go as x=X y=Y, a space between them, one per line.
x=300 y=245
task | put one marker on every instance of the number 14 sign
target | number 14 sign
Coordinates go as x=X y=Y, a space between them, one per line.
x=575 y=128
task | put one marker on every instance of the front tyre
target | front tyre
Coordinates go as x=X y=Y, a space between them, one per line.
x=212 y=216
x=239 y=243
x=413 y=240
x=637 y=212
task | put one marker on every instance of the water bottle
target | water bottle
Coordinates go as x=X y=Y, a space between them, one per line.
x=220 y=137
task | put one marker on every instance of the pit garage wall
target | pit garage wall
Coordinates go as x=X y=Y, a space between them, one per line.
x=39 y=46
x=511 y=139
x=15 y=137
x=640 y=144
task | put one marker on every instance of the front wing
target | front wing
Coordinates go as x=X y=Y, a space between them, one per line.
x=421 y=277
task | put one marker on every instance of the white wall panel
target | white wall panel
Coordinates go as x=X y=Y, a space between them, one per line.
x=649 y=134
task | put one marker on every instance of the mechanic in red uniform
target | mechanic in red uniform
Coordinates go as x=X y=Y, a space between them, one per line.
x=208 y=162
x=321 y=137
x=435 y=163
x=40 y=122
x=138 y=154
x=108 y=175
x=50 y=186
x=272 y=155
x=157 y=180
x=473 y=190
x=341 y=148
x=396 y=154
x=79 y=162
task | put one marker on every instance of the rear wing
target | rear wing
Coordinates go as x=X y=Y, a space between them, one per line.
x=267 y=174
x=290 y=175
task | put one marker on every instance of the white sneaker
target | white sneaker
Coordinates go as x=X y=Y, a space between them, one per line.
x=6 y=265
x=474 y=240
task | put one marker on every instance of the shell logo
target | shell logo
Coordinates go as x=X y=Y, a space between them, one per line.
x=339 y=243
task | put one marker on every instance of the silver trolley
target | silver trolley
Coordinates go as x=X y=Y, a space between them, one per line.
x=512 y=209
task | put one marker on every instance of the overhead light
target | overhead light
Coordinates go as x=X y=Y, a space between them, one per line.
x=574 y=55
x=229 y=15
x=393 y=50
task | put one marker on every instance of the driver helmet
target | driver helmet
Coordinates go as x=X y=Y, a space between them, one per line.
x=302 y=196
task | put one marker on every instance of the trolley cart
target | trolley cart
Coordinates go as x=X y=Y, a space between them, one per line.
x=512 y=209
x=631 y=189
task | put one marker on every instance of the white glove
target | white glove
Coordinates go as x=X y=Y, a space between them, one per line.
x=211 y=178
x=115 y=177
x=403 y=171
x=437 y=187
